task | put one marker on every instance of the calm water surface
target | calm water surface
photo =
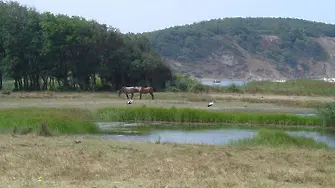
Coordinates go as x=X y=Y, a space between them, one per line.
x=211 y=136
x=224 y=83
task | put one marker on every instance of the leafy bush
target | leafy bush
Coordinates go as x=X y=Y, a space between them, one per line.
x=181 y=83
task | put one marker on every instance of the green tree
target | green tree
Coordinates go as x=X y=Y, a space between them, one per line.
x=47 y=51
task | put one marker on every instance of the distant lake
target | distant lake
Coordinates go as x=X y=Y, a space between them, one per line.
x=224 y=82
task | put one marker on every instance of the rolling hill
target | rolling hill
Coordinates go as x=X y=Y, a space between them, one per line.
x=249 y=48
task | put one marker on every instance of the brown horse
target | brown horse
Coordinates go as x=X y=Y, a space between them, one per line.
x=146 y=90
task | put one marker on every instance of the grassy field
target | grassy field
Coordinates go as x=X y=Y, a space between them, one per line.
x=73 y=109
x=303 y=87
x=223 y=101
x=101 y=163
x=62 y=163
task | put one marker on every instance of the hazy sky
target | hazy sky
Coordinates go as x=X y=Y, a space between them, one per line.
x=147 y=15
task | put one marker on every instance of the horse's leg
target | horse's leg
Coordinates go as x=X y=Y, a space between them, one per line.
x=140 y=95
x=127 y=96
x=152 y=95
x=132 y=95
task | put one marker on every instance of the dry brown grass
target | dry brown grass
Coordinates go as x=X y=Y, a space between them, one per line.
x=193 y=97
x=236 y=102
x=99 y=163
x=285 y=102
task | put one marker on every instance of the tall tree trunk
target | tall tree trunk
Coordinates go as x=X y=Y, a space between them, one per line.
x=44 y=82
x=37 y=82
x=20 y=84
x=0 y=80
x=25 y=83
x=16 y=84
x=31 y=82
x=86 y=82
x=66 y=84
x=94 y=83
x=59 y=83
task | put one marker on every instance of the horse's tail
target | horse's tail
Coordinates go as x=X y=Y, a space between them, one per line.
x=120 y=91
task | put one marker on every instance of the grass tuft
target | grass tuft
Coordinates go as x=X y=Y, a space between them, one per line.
x=276 y=138
x=44 y=130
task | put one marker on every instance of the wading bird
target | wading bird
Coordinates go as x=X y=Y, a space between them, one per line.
x=129 y=101
x=210 y=104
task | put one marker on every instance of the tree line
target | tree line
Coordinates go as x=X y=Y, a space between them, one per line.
x=44 y=51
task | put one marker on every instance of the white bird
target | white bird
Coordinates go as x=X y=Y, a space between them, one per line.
x=210 y=104
x=129 y=101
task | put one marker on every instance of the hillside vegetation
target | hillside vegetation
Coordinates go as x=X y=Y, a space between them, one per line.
x=249 y=48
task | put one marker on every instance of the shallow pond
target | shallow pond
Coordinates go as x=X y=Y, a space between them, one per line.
x=210 y=136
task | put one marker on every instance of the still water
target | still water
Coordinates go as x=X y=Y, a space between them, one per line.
x=212 y=137
x=224 y=83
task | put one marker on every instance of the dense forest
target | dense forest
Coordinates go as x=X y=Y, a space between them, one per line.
x=42 y=51
x=194 y=42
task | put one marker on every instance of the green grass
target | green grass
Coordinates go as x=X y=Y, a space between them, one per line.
x=293 y=87
x=327 y=114
x=180 y=115
x=278 y=139
x=80 y=121
x=306 y=87
x=58 y=120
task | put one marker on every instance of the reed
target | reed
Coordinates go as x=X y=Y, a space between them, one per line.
x=276 y=138
x=58 y=120
x=181 y=115
x=327 y=114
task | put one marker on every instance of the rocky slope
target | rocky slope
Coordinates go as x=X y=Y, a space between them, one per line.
x=253 y=48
